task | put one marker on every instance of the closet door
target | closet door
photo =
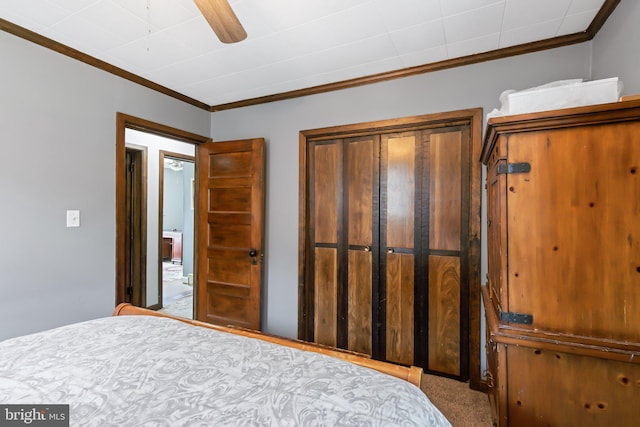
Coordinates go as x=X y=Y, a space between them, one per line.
x=423 y=225
x=399 y=197
x=388 y=268
x=361 y=247
x=344 y=229
x=444 y=254
x=325 y=212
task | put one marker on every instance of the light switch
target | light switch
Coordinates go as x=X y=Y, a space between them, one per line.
x=73 y=218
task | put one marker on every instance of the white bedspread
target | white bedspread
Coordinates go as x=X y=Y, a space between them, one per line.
x=150 y=371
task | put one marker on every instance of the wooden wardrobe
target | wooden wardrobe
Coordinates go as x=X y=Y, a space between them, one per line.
x=563 y=296
x=386 y=241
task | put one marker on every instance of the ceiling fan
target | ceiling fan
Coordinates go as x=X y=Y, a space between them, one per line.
x=222 y=19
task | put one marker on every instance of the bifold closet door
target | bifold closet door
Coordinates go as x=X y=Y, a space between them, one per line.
x=398 y=194
x=386 y=265
x=343 y=226
x=361 y=224
x=422 y=224
x=445 y=256
x=325 y=180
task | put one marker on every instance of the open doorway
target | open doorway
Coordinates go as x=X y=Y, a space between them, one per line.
x=176 y=198
x=139 y=256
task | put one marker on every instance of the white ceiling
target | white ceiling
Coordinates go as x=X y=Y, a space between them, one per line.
x=291 y=44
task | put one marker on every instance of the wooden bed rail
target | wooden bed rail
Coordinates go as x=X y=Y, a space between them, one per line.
x=412 y=374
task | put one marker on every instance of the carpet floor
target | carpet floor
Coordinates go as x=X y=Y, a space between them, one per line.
x=462 y=406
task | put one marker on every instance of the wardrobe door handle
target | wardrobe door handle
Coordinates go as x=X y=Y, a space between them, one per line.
x=367 y=248
x=390 y=250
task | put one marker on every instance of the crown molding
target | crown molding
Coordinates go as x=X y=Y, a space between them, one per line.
x=552 y=43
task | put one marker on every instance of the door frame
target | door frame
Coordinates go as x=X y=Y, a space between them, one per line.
x=469 y=117
x=136 y=223
x=124 y=121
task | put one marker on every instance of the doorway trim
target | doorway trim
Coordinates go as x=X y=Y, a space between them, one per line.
x=136 y=223
x=471 y=117
x=124 y=121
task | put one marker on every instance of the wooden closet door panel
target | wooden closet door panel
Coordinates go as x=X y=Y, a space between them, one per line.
x=398 y=195
x=445 y=190
x=399 y=309
x=325 y=296
x=361 y=184
x=326 y=192
x=444 y=314
x=360 y=297
x=400 y=190
x=325 y=214
x=579 y=199
x=359 y=179
x=445 y=199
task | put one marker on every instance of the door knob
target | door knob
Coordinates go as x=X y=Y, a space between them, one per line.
x=367 y=248
x=390 y=250
x=253 y=253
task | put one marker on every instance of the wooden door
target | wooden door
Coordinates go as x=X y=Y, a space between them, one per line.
x=423 y=256
x=135 y=276
x=386 y=230
x=230 y=232
x=399 y=189
x=572 y=246
x=445 y=253
x=344 y=242
x=361 y=246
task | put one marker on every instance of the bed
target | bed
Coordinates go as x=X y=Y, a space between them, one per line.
x=141 y=368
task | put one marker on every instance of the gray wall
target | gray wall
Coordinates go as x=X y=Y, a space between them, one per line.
x=616 y=49
x=472 y=86
x=58 y=133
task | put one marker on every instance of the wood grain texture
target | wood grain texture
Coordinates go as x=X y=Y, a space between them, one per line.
x=497 y=236
x=580 y=199
x=571 y=230
x=360 y=296
x=222 y=20
x=468 y=123
x=399 y=313
x=325 y=296
x=444 y=314
x=231 y=191
x=326 y=195
x=445 y=192
x=359 y=182
x=554 y=388
x=400 y=185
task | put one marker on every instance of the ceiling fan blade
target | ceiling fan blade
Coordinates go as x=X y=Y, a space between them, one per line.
x=223 y=21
